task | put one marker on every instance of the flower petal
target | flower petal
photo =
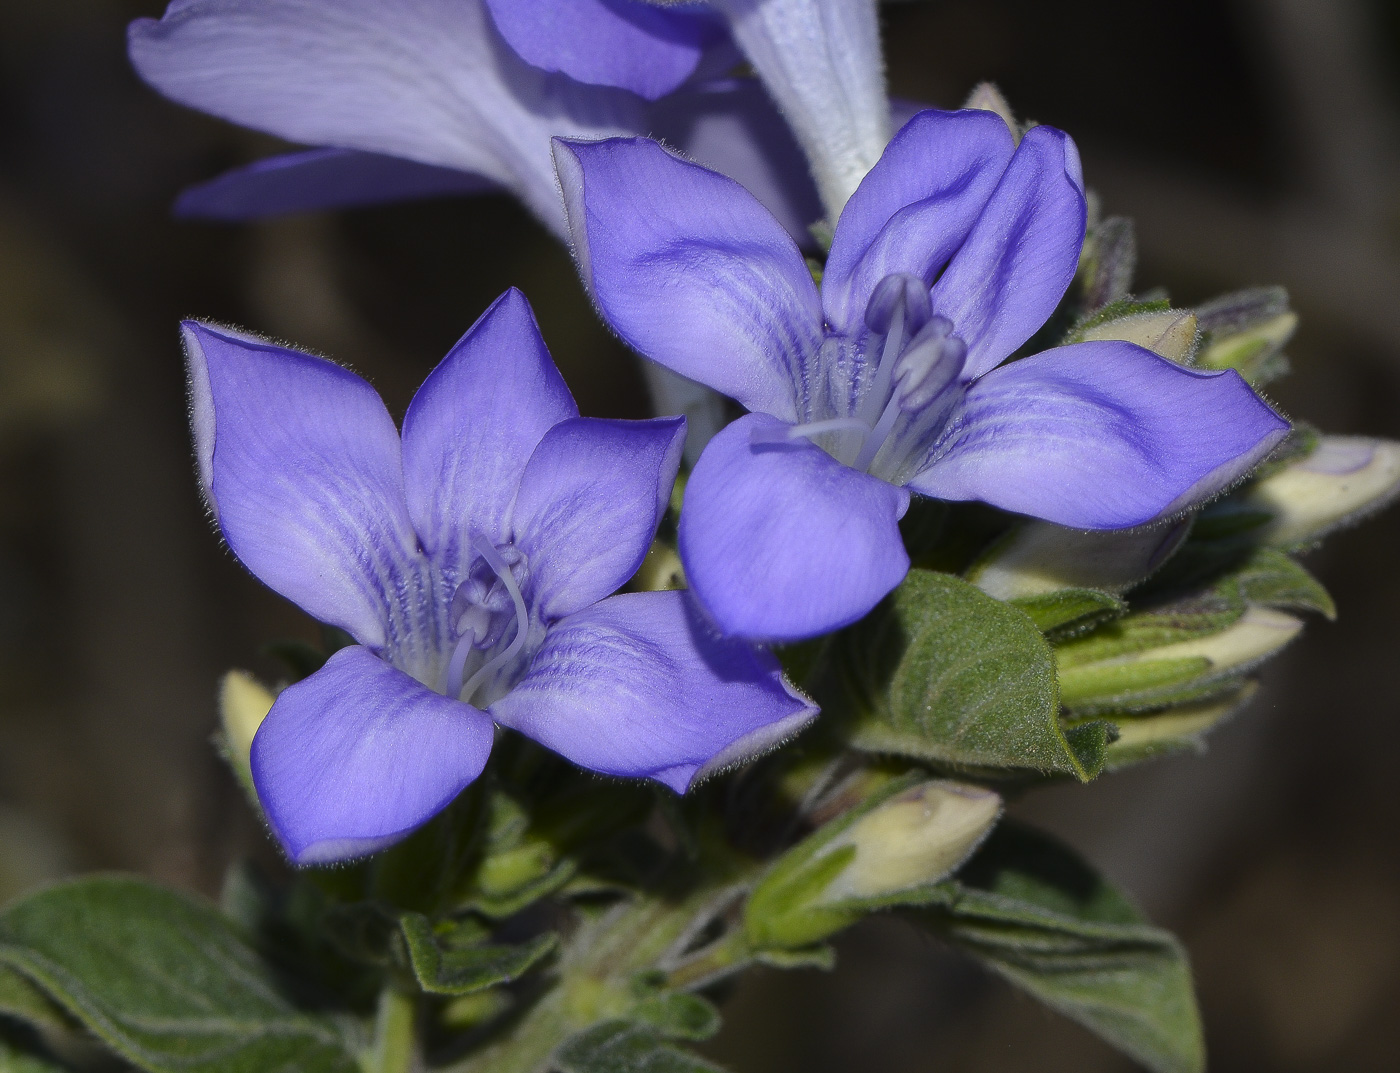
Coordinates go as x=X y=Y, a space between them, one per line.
x=1101 y=435
x=782 y=542
x=821 y=61
x=590 y=501
x=638 y=685
x=473 y=425
x=915 y=208
x=428 y=80
x=319 y=179
x=300 y=463
x=731 y=126
x=691 y=270
x=1017 y=263
x=621 y=43
x=355 y=757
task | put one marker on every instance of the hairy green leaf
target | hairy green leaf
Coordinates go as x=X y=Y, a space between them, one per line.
x=1029 y=908
x=1069 y=611
x=24 y=1001
x=941 y=671
x=13 y=1060
x=444 y=968
x=678 y=1015
x=164 y=980
x=626 y=1047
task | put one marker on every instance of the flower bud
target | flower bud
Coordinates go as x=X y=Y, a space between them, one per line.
x=1132 y=679
x=986 y=97
x=1143 y=737
x=914 y=839
x=1039 y=557
x=1342 y=481
x=1170 y=333
x=243 y=704
x=882 y=853
x=1247 y=331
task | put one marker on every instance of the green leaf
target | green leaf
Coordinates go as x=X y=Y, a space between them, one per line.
x=164 y=980
x=941 y=671
x=25 y=1002
x=1069 y=611
x=678 y=1015
x=625 y=1047
x=1033 y=911
x=1270 y=578
x=446 y=969
x=13 y=1060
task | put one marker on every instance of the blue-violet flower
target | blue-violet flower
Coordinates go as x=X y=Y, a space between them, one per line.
x=411 y=98
x=952 y=252
x=472 y=559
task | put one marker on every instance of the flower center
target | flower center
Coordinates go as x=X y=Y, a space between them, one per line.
x=919 y=360
x=490 y=622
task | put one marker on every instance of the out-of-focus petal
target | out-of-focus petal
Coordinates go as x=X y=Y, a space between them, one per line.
x=300 y=463
x=915 y=208
x=821 y=61
x=428 y=80
x=355 y=757
x=782 y=542
x=314 y=180
x=1100 y=435
x=473 y=425
x=624 y=43
x=690 y=270
x=639 y=685
x=1017 y=263
x=732 y=127
x=590 y=500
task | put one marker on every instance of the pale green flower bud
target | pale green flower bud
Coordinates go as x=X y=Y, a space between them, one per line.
x=1247 y=331
x=1039 y=557
x=881 y=853
x=1170 y=333
x=243 y=704
x=1255 y=636
x=1142 y=737
x=1342 y=481
x=914 y=839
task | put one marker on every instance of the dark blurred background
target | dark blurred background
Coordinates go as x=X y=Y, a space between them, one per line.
x=1254 y=141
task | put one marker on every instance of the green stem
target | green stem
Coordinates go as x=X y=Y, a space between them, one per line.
x=395 y=1033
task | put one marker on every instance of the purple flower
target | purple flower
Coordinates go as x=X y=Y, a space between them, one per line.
x=412 y=98
x=954 y=250
x=472 y=559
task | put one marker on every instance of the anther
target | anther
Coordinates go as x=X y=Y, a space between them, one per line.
x=932 y=362
x=899 y=292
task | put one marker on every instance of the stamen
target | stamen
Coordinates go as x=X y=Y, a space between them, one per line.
x=787 y=433
x=493 y=558
x=927 y=368
x=898 y=307
x=932 y=362
x=899 y=291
